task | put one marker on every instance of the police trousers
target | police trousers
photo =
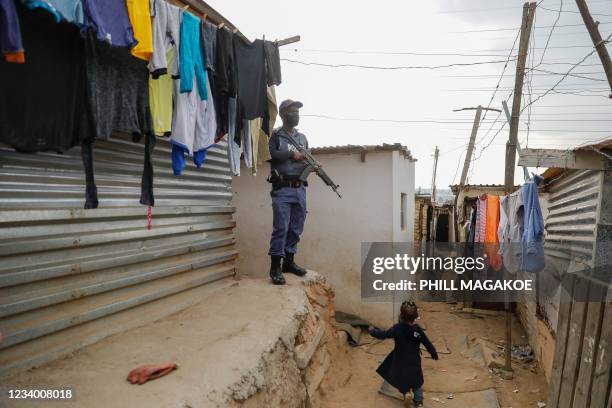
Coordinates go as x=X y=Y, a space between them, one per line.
x=288 y=216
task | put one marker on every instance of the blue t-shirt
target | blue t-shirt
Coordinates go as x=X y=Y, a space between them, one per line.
x=69 y=10
x=110 y=21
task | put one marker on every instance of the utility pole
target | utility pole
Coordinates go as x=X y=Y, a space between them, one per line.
x=526 y=25
x=518 y=145
x=598 y=42
x=433 y=180
x=470 y=150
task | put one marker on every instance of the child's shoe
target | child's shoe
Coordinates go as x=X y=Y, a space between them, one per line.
x=418 y=404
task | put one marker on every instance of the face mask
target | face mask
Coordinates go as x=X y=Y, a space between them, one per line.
x=291 y=119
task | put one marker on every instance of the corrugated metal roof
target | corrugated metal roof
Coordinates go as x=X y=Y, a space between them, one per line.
x=553 y=173
x=605 y=144
x=364 y=148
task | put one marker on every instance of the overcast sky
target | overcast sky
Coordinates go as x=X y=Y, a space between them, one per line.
x=382 y=33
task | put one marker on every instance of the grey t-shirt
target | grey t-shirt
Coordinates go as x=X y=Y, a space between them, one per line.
x=281 y=150
x=118 y=89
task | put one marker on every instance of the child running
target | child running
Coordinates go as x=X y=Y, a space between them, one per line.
x=402 y=367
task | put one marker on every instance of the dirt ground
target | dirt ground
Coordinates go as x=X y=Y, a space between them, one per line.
x=357 y=383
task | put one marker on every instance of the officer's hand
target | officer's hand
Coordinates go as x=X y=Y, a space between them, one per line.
x=298 y=156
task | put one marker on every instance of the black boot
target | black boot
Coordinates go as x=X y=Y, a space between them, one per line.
x=290 y=266
x=275 y=270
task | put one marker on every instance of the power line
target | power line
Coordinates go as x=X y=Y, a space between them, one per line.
x=551 y=30
x=434 y=121
x=576 y=12
x=545 y=73
x=515 y=28
x=463 y=53
x=367 y=52
x=572 y=75
x=499 y=8
x=566 y=74
x=308 y=63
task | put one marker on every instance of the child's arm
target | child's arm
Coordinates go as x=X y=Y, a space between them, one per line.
x=382 y=334
x=428 y=345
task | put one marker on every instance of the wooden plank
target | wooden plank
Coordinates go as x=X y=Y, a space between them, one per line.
x=565 y=310
x=600 y=389
x=563 y=159
x=595 y=308
x=574 y=345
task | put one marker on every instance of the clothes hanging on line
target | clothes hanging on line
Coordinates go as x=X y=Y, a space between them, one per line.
x=491 y=227
x=233 y=148
x=191 y=65
x=166 y=36
x=110 y=22
x=225 y=78
x=118 y=90
x=261 y=153
x=43 y=104
x=161 y=92
x=512 y=230
x=69 y=10
x=533 y=231
x=273 y=66
x=209 y=37
x=11 y=44
x=193 y=128
x=164 y=64
x=140 y=16
x=251 y=74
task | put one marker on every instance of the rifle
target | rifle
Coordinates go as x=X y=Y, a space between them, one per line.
x=313 y=165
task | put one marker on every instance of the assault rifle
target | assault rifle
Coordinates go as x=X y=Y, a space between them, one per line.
x=313 y=165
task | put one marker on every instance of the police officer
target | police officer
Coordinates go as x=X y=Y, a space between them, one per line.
x=288 y=193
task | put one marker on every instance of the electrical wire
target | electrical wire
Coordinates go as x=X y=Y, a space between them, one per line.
x=366 y=52
x=576 y=12
x=566 y=74
x=500 y=8
x=308 y=63
x=514 y=28
x=434 y=121
x=579 y=75
x=551 y=30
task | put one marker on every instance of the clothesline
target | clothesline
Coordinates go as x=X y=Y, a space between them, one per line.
x=510 y=228
x=79 y=72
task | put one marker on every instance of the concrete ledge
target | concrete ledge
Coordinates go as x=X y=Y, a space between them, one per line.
x=237 y=346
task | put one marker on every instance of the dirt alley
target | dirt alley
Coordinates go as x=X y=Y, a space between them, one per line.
x=357 y=382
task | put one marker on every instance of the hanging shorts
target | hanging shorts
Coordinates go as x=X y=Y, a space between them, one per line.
x=194 y=126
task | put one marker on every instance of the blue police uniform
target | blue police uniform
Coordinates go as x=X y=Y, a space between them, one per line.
x=289 y=201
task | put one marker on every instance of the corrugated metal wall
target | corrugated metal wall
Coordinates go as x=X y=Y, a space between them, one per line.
x=572 y=215
x=65 y=271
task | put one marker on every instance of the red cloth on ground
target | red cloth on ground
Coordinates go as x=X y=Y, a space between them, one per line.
x=142 y=374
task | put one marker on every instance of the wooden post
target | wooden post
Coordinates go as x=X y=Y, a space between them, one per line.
x=470 y=150
x=433 y=180
x=528 y=15
x=518 y=145
x=598 y=42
